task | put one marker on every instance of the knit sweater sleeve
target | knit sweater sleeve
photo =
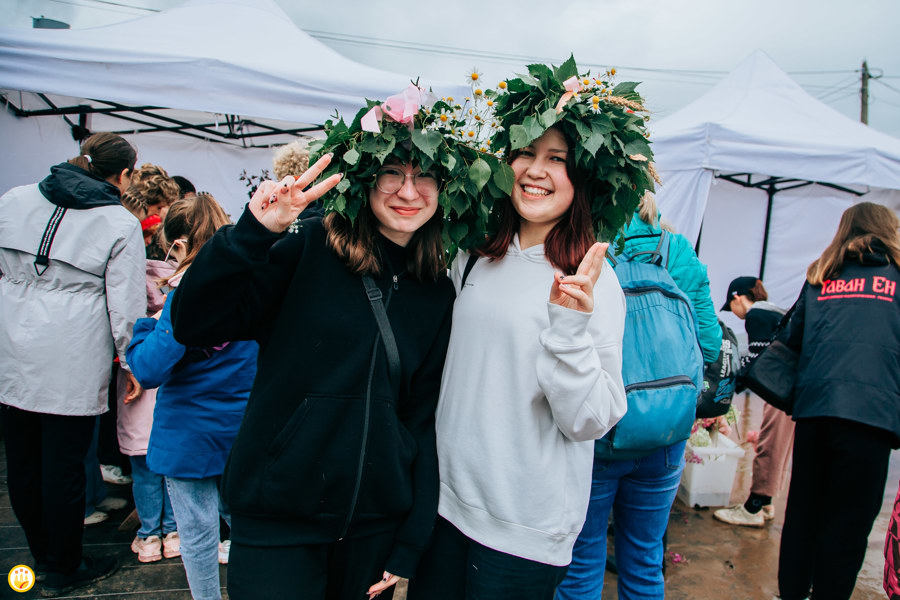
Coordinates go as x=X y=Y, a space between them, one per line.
x=417 y=416
x=690 y=275
x=235 y=285
x=580 y=375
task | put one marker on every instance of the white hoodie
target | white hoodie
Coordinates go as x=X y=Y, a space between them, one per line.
x=527 y=387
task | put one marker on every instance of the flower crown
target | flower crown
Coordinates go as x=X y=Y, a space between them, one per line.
x=437 y=135
x=606 y=125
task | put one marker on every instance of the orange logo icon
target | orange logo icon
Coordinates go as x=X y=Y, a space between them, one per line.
x=21 y=578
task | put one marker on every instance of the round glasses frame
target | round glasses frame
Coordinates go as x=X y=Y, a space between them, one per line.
x=390 y=181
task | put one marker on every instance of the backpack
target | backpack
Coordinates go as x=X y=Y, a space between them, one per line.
x=662 y=363
x=720 y=377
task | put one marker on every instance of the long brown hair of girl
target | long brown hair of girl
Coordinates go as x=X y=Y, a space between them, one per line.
x=195 y=220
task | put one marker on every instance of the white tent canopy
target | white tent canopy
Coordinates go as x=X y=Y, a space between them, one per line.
x=767 y=170
x=244 y=61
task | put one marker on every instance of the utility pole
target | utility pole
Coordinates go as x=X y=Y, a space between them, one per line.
x=864 y=95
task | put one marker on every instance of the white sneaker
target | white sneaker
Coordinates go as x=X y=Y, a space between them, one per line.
x=738 y=515
x=95 y=518
x=113 y=474
x=224 y=551
x=111 y=503
x=172 y=545
x=148 y=549
x=768 y=512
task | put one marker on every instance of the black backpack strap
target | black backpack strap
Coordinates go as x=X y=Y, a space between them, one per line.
x=384 y=326
x=473 y=258
x=42 y=260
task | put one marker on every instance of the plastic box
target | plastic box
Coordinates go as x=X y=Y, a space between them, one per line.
x=709 y=483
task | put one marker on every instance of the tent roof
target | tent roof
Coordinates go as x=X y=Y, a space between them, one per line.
x=758 y=120
x=238 y=57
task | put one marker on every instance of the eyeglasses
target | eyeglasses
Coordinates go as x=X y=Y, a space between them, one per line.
x=389 y=181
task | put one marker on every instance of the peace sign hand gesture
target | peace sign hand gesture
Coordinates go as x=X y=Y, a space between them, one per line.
x=276 y=205
x=577 y=291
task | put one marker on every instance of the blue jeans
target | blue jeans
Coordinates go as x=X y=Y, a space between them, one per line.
x=640 y=493
x=196 y=503
x=94 y=489
x=151 y=499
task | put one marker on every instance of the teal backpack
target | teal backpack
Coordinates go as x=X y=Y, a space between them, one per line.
x=662 y=363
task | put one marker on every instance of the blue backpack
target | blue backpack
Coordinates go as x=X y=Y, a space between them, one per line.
x=662 y=363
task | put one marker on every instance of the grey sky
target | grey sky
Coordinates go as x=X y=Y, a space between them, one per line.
x=678 y=48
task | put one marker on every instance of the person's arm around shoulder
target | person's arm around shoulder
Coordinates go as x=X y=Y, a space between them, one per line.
x=580 y=376
x=126 y=298
x=689 y=274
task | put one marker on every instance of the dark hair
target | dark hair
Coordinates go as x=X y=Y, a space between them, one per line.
x=184 y=185
x=354 y=243
x=194 y=219
x=860 y=226
x=757 y=293
x=109 y=155
x=568 y=241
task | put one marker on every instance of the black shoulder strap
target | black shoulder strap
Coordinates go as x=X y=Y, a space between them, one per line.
x=384 y=326
x=473 y=258
x=42 y=260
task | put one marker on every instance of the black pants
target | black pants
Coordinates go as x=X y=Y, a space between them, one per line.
x=45 y=466
x=339 y=571
x=458 y=568
x=837 y=489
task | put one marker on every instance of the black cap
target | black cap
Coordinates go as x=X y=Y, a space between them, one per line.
x=739 y=287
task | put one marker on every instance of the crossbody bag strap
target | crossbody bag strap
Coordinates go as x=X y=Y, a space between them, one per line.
x=384 y=327
x=470 y=262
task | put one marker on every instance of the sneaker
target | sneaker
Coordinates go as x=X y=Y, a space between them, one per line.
x=95 y=518
x=768 y=512
x=738 y=515
x=90 y=571
x=113 y=474
x=111 y=503
x=148 y=549
x=224 y=551
x=172 y=545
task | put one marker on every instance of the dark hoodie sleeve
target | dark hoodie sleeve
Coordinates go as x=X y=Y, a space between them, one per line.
x=235 y=284
x=417 y=415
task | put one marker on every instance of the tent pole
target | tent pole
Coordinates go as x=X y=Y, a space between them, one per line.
x=770 y=191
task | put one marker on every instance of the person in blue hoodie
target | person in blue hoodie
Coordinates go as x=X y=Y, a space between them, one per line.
x=199 y=405
x=641 y=491
x=71 y=288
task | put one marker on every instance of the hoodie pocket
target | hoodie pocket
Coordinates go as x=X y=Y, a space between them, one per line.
x=310 y=466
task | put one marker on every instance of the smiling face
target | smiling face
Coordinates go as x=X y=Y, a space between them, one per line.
x=543 y=191
x=401 y=213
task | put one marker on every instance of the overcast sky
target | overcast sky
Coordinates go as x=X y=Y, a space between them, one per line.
x=678 y=48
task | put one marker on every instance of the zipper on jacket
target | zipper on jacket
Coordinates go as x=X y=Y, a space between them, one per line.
x=660 y=383
x=366 y=418
x=396 y=287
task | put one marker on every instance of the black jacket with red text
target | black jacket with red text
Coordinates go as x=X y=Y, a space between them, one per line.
x=848 y=334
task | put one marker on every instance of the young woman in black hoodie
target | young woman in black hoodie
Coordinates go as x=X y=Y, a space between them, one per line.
x=846 y=327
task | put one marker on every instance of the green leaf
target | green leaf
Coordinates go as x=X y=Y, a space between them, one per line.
x=638 y=146
x=505 y=178
x=385 y=149
x=459 y=203
x=449 y=161
x=540 y=72
x=351 y=157
x=548 y=117
x=479 y=173
x=626 y=89
x=518 y=137
x=593 y=142
x=339 y=204
x=567 y=69
x=343 y=185
x=426 y=140
x=602 y=123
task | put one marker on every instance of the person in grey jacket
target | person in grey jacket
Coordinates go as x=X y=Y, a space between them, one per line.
x=71 y=288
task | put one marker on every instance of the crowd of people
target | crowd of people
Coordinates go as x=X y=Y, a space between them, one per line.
x=313 y=396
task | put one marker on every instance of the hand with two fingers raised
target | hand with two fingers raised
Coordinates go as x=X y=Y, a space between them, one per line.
x=577 y=291
x=276 y=205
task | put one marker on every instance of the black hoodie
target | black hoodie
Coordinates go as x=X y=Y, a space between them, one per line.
x=69 y=186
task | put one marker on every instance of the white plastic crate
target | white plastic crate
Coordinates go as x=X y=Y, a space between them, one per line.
x=709 y=483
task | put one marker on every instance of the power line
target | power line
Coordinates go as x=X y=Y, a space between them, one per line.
x=887 y=85
x=92 y=7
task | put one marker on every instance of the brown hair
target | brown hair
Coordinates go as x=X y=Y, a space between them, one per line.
x=860 y=226
x=134 y=203
x=291 y=159
x=154 y=186
x=109 y=155
x=194 y=219
x=568 y=241
x=354 y=243
x=757 y=293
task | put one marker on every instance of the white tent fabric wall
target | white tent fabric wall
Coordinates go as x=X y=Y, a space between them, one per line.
x=759 y=121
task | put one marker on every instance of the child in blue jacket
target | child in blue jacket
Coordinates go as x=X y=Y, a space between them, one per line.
x=201 y=399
